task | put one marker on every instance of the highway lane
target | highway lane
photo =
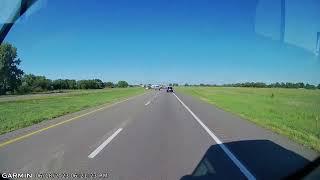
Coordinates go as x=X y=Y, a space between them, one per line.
x=154 y=136
x=266 y=154
x=66 y=147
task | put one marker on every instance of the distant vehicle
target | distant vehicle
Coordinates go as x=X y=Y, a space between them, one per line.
x=169 y=89
x=156 y=87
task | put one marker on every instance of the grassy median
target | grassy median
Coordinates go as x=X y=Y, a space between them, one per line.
x=291 y=112
x=17 y=114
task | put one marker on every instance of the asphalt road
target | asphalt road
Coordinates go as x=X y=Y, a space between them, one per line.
x=157 y=135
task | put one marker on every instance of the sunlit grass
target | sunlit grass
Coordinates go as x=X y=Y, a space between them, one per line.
x=22 y=113
x=291 y=112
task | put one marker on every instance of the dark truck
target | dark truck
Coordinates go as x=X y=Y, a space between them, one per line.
x=169 y=89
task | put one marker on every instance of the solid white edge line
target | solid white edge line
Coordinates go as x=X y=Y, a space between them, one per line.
x=233 y=158
x=104 y=144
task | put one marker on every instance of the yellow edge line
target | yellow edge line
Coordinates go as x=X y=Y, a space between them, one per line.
x=63 y=122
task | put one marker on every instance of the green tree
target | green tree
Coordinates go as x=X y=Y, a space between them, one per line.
x=277 y=85
x=10 y=74
x=109 y=84
x=71 y=83
x=300 y=85
x=82 y=84
x=60 y=84
x=90 y=84
x=310 y=86
x=318 y=86
x=98 y=84
x=122 y=84
x=34 y=83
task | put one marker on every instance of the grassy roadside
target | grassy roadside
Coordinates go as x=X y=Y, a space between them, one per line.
x=22 y=113
x=291 y=112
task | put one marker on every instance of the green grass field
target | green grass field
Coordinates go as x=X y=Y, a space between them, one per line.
x=19 y=113
x=291 y=112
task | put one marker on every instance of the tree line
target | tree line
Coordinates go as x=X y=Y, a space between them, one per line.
x=264 y=85
x=33 y=83
x=14 y=81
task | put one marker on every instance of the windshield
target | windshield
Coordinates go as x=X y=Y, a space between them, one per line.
x=120 y=89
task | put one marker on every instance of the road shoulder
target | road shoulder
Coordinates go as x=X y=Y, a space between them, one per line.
x=4 y=138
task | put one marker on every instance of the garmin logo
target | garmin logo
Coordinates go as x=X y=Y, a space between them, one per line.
x=16 y=175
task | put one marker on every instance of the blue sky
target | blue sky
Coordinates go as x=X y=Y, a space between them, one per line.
x=212 y=41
